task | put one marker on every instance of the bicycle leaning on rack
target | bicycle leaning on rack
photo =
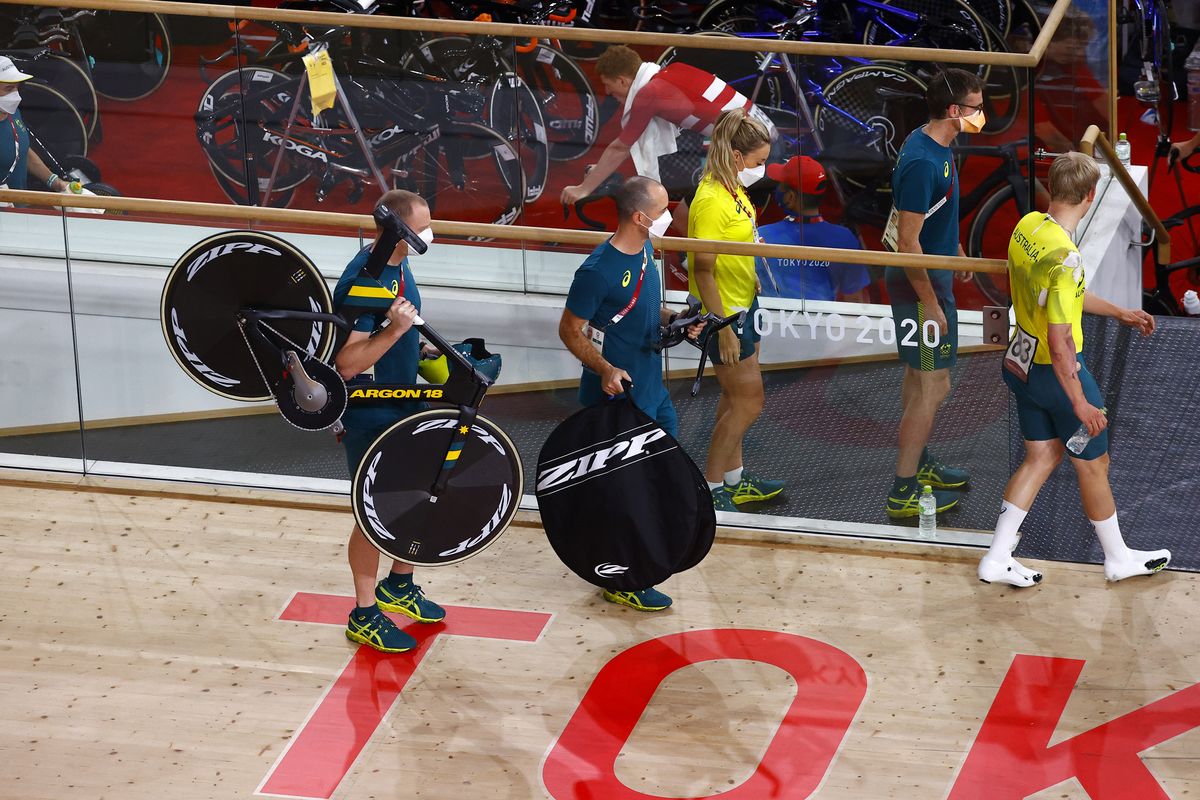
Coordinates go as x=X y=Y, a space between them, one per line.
x=401 y=130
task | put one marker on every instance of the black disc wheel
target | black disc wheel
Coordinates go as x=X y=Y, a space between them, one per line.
x=130 y=52
x=58 y=132
x=66 y=76
x=392 y=498
x=208 y=288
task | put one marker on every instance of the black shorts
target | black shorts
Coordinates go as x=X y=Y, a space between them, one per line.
x=680 y=172
x=747 y=334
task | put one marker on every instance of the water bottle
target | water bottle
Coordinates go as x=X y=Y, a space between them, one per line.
x=1123 y=150
x=1191 y=303
x=927 y=506
x=1079 y=440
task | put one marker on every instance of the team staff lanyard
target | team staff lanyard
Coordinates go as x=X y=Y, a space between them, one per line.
x=12 y=121
x=743 y=210
x=620 y=315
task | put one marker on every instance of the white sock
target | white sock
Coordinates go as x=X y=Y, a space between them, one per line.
x=712 y=487
x=1008 y=526
x=1109 y=534
x=733 y=477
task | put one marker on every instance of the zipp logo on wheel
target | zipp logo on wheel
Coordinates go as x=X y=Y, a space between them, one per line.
x=607 y=570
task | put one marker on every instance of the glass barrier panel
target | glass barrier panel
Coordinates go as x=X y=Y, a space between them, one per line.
x=1072 y=88
x=39 y=409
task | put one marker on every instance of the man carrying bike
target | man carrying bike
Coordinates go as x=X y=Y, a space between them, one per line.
x=1056 y=395
x=611 y=324
x=925 y=220
x=382 y=347
x=666 y=114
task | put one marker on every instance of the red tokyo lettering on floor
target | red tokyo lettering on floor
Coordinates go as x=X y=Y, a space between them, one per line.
x=326 y=746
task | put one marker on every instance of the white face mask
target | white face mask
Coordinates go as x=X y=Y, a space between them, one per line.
x=751 y=175
x=659 y=226
x=9 y=102
x=425 y=236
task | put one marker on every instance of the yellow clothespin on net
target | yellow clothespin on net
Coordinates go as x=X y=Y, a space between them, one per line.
x=321 y=85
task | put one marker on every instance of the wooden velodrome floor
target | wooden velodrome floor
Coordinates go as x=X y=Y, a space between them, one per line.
x=180 y=647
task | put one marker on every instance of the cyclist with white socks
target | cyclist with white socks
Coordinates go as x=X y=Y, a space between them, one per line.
x=1054 y=392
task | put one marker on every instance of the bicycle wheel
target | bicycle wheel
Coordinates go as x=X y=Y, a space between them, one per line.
x=64 y=75
x=237 y=192
x=514 y=113
x=254 y=104
x=58 y=130
x=988 y=236
x=760 y=14
x=217 y=278
x=391 y=489
x=457 y=188
x=130 y=52
x=852 y=114
x=945 y=24
x=566 y=99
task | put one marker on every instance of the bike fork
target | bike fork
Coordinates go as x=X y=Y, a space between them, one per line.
x=466 y=419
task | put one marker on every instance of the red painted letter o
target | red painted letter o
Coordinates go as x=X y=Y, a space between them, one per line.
x=830 y=686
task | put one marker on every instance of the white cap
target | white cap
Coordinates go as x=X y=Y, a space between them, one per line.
x=9 y=72
x=1191 y=302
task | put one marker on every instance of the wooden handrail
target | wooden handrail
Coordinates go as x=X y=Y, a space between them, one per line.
x=292 y=216
x=1053 y=20
x=333 y=19
x=1094 y=137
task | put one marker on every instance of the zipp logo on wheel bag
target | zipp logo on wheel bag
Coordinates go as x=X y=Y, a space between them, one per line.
x=607 y=570
x=627 y=448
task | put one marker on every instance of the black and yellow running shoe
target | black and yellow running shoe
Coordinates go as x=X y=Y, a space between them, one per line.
x=645 y=600
x=903 y=502
x=374 y=629
x=751 y=489
x=941 y=476
x=409 y=600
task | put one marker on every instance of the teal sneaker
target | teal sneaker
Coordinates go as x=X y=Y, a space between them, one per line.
x=905 y=505
x=751 y=489
x=374 y=629
x=407 y=599
x=940 y=476
x=646 y=600
x=723 y=500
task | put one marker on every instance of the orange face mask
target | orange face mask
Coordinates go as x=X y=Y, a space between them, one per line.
x=973 y=123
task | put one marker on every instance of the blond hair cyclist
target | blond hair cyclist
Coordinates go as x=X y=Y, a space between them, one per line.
x=1054 y=392
x=722 y=210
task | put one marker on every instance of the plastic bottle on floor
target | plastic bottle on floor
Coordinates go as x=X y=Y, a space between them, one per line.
x=1191 y=303
x=927 y=507
x=1123 y=150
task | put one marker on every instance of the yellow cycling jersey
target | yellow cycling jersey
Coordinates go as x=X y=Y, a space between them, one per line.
x=1045 y=272
x=716 y=213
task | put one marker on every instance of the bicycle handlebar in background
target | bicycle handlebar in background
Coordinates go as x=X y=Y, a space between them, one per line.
x=606 y=189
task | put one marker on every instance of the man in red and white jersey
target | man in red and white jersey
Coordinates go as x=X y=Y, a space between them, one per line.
x=668 y=114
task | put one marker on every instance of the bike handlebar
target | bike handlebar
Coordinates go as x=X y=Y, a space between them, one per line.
x=675 y=332
x=606 y=189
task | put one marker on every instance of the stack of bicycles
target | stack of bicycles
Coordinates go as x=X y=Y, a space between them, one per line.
x=470 y=123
